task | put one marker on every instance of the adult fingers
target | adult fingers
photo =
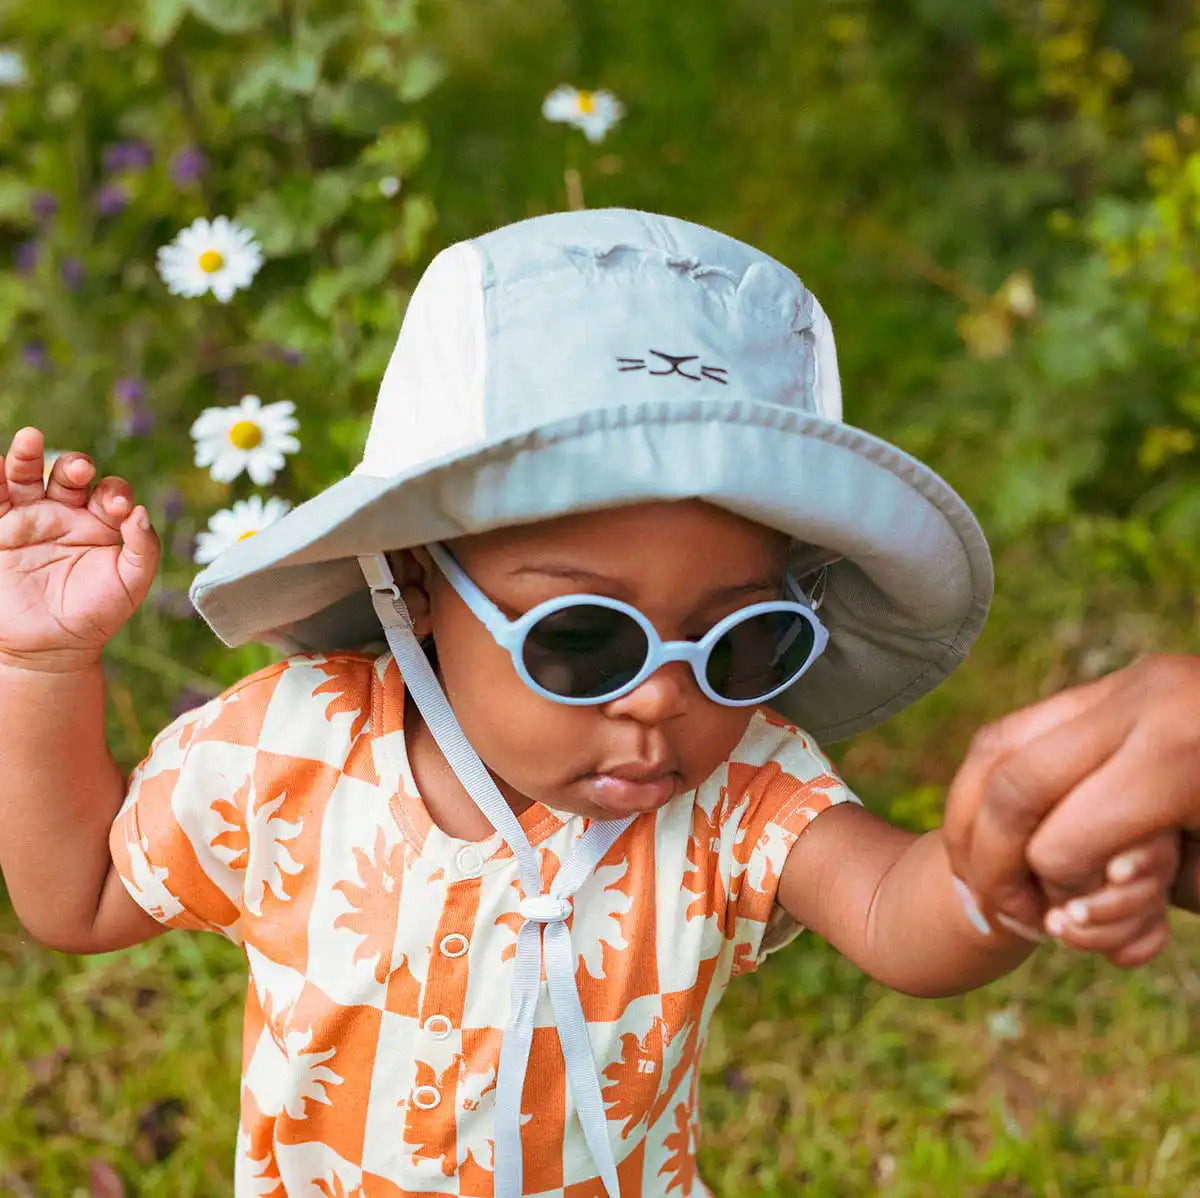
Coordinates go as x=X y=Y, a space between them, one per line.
x=1109 y=937
x=1112 y=905
x=1144 y=949
x=968 y=788
x=1041 y=759
x=23 y=468
x=1113 y=807
x=1158 y=856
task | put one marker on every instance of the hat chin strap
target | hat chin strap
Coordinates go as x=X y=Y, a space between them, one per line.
x=545 y=915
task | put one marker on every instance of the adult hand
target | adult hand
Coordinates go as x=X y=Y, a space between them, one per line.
x=1051 y=796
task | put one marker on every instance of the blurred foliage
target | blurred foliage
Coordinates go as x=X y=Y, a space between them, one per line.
x=998 y=204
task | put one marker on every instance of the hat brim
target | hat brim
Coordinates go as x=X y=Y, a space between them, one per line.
x=903 y=606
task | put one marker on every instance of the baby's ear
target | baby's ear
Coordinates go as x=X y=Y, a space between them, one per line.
x=411 y=570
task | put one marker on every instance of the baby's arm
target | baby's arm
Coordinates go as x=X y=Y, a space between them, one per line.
x=885 y=898
x=62 y=790
x=75 y=562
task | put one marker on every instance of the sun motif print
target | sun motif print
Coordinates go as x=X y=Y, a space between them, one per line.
x=283 y=815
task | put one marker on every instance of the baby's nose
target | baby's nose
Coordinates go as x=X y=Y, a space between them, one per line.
x=662 y=696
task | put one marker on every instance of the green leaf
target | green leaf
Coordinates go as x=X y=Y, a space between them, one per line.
x=398 y=148
x=417 y=218
x=293 y=217
x=13 y=302
x=233 y=16
x=289 y=72
x=419 y=75
x=16 y=194
x=160 y=19
x=395 y=17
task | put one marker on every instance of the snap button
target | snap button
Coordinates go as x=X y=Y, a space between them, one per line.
x=469 y=861
x=545 y=908
x=454 y=945
x=426 y=1097
x=438 y=1026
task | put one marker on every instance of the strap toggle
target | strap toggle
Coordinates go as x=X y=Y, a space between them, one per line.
x=545 y=908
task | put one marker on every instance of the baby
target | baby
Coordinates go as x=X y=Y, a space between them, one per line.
x=492 y=878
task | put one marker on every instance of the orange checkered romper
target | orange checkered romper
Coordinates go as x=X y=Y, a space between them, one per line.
x=283 y=814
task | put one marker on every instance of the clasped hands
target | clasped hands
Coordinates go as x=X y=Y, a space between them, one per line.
x=1078 y=817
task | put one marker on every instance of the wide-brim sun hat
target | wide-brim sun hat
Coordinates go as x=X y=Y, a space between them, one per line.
x=592 y=359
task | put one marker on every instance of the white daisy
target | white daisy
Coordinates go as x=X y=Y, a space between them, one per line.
x=593 y=112
x=389 y=186
x=12 y=69
x=216 y=256
x=244 y=519
x=245 y=437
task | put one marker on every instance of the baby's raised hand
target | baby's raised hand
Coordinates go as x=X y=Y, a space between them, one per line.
x=75 y=560
x=1125 y=918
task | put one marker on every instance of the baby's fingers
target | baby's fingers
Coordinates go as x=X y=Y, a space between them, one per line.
x=21 y=475
x=111 y=501
x=69 y=478
x=139 y=554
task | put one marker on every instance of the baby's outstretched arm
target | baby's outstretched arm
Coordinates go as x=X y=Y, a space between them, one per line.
x=886 y=898
x=75 y=562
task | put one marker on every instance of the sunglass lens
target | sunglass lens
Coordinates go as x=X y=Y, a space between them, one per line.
x=759 y=654
x=584 y=651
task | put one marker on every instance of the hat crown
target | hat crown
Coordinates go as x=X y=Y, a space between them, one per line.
x=576 y=311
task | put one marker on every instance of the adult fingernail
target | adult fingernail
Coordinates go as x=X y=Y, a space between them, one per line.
x=1121 y=869
x=1019 y=929
x=971 y=907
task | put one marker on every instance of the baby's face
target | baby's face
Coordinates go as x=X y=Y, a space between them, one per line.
x=685 y=566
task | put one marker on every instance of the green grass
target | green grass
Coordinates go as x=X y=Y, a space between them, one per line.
x=1067 y=1079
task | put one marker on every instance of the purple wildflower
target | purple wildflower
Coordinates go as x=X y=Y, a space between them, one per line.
x=111 y=199
x=34 y=355
x=133 y=155
x=129 y=390
x=134 y=418
x=187 y=166
x=73 y=273
x=44 y=206
x=289 y=357
x=173 y=504
x=25 y=257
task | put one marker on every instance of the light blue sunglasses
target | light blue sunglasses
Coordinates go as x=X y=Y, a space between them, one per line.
x=589 y=649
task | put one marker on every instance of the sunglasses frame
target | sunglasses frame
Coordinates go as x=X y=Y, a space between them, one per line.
x=510 y=634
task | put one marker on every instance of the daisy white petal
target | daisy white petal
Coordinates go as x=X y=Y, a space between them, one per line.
x=248 y=436
x=594 y=112
x=244 y=519
x=210 y=256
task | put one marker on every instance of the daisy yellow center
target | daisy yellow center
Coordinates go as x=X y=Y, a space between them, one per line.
x=211 y=261
x=244 y=536
x=246 y=435
x=587 y=102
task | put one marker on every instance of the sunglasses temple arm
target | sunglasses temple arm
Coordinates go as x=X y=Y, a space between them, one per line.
x=484 y=610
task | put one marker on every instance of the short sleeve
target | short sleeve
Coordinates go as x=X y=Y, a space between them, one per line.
x=180 y=843
x=778 y=782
